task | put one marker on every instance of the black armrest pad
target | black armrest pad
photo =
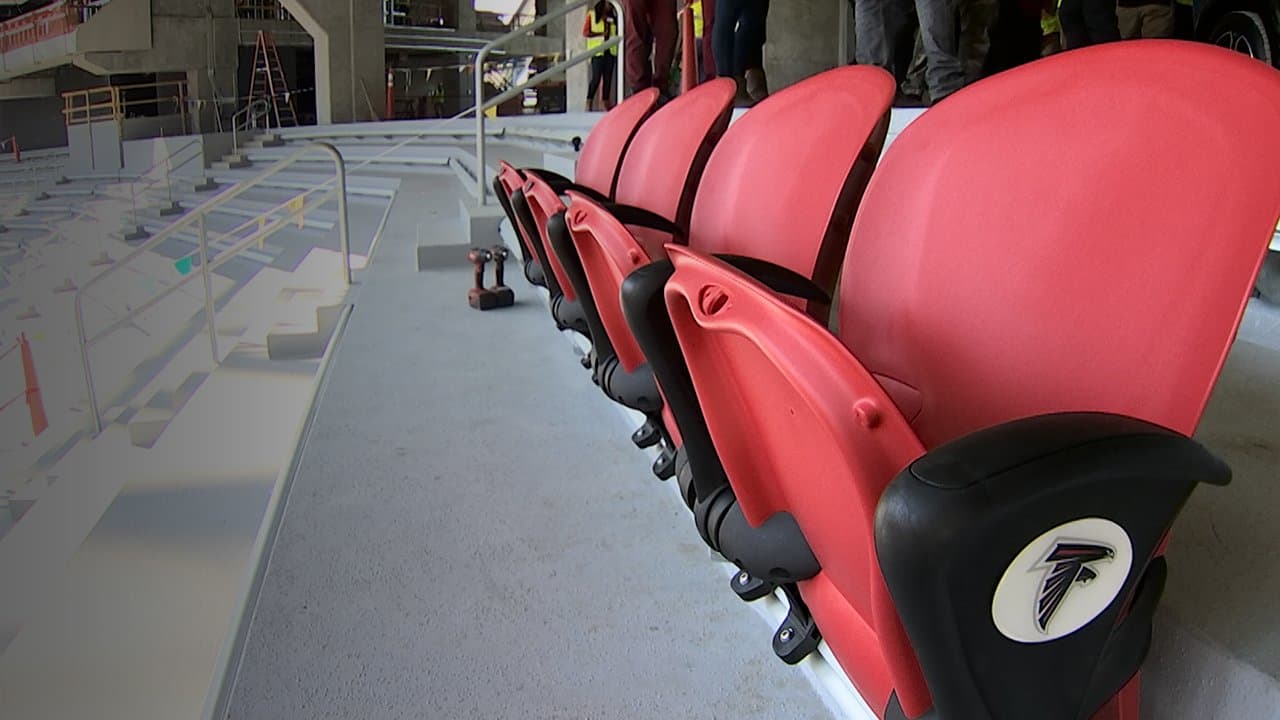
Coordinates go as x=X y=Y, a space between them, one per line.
x=778 y=278
x=988 y=542
x=988 y=453
x=632 y=215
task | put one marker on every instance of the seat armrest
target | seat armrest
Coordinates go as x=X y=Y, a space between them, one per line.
x=561 y=185
x=778 y=279
x=1022 y=549
x=632 y=215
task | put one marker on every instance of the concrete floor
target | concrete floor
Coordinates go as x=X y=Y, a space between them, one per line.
x=472 y=534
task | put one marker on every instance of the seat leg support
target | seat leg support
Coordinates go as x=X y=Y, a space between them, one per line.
x=749 y=587
x=798 y=634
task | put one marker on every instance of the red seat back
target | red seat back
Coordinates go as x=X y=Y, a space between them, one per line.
x=666 y=158
x=601 y=156
x=663 y=163
x=843 y=114
x=784 y=183
x=1082 y=234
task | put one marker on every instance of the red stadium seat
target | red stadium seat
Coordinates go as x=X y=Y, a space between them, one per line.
x=597 y=170
x=971 y=484
x=833 y=125
x=670 y=150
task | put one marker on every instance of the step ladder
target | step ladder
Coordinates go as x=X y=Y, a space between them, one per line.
x=269 y=87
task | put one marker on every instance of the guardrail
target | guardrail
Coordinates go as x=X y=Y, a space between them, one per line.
x=112 y=102
x=292 y=209
x=541 y=77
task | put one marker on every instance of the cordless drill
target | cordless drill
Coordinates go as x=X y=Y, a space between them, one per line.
x=506 y=297
x=479 y=297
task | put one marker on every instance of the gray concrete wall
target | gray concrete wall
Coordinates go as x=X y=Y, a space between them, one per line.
x=350 y=56
x=803 y=36
x=119 y=25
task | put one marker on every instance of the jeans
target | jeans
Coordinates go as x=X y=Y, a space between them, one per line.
x=873 y=21
x=738 y=36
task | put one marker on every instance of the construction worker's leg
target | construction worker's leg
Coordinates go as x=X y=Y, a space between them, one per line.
x=725 y=33
x=913 y=83
x=1100 y=20
x=662 y=20
x=708 y=61
x=751 y=39
x=870 y=33
x=1071 y=18
x=1129 y=20
x=944 y=73
x=1157 y=21
x=977 y=19
x=610 y=63
x=639 y=44
x=595 y=78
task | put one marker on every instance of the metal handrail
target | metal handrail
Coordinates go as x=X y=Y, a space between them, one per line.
x=198 y=216
x=482 y=190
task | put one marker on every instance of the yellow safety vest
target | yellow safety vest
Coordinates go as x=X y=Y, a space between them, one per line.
x=598 y=26
x=1049 y=23
x=697 y=18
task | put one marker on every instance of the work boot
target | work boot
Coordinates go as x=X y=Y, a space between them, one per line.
x=743 y=98
x=757 y=86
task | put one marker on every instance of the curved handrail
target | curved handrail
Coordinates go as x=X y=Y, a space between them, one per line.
x=198 y=216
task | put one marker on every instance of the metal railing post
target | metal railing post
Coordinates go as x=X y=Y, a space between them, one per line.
x=88 y=373
x=482 y=53
x=619 y=66
x=344 y=225
x=208 y=288
x=480 y=143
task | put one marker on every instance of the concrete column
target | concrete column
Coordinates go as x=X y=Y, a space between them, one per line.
x=466 y=17
x=577 y=76
x=350 y=56
x=802 y=40
x=211 y=91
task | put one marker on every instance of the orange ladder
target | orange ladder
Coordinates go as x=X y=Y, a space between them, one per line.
x=269 y=83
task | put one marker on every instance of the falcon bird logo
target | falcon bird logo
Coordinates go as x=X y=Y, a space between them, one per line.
x=1067 y=564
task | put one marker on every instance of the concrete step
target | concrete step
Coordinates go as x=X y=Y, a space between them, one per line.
x=317 y=220
x=232 y=161
x=271 y=140
x=306 y=346
x=357 y=185
x=191 y=239
x=146 y=426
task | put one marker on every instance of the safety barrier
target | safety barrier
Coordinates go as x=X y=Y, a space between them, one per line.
x=112 y=102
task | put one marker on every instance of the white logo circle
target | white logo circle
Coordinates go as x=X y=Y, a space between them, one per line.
x=1062 y=580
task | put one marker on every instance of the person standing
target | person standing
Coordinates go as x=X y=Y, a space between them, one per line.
x=944 y=73
x=601 y=25
x=650 y=43
x=1145 y=19
x=1088 y=22
x=738 y=37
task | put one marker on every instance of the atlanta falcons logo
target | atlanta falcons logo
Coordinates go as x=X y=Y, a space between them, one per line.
x=1067 y=564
